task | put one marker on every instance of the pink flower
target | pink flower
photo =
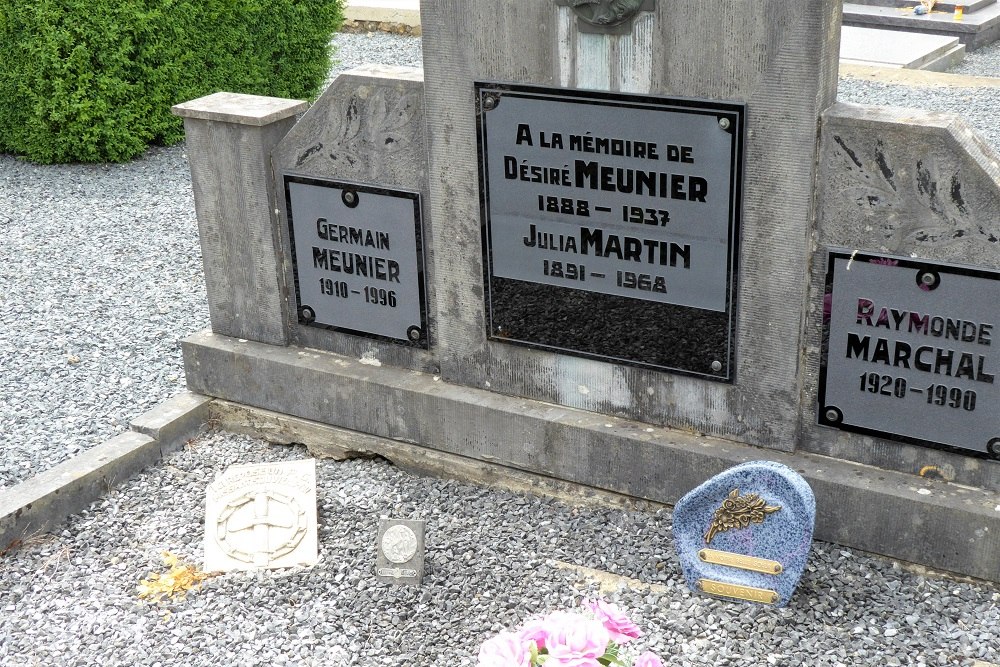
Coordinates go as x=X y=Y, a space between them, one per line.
x=574 y=640
x=621 y=629
x=536 y=631
x=648 y=659
x=507 y=649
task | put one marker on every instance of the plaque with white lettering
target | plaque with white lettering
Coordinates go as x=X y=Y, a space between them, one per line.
x=357 y=256
x=611 y=224
x=910 y=351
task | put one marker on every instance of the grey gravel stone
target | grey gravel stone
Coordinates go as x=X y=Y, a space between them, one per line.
x=71 y=599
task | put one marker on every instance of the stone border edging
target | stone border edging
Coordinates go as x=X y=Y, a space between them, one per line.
x=46 y=500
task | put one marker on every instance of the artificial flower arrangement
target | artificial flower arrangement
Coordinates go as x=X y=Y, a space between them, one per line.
x=592 y=638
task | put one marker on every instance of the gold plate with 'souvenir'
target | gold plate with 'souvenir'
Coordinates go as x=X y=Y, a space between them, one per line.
x=738 y=592
x=740 y=561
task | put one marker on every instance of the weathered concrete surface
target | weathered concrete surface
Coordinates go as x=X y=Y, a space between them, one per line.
x=174 y=421
x=368 y=127
x=340 y=444
x=684 y=48
x=229 y=140
x=919 y=520
x=902 y=182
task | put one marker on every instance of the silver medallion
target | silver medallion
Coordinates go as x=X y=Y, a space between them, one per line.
x=399 y=544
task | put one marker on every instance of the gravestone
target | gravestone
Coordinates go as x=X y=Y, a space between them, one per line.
x=262 y=516
x=594 y=242
x=746 y=533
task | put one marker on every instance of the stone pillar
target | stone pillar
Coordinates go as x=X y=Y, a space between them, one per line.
x=229 y=142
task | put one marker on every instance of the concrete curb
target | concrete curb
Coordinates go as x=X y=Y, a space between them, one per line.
x=47 y=499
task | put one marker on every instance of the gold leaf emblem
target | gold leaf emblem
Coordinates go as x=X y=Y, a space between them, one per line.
x=739 y=512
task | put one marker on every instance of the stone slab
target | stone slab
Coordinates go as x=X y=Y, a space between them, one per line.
x=538 y=43
x=970 y=5
x=262 y=516
x=975 y=30
x=174 y=421
x=404 y=12
x=386 y=150
x=917 y=77
x=256 y=110
x=892 y=48
x=947 y=60
x=934 y=523
x=45 y=500
x=331 y=442
x=746 y=533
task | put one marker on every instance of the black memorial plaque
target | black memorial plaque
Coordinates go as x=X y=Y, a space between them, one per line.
x=357 y=253
x=910 y=351
x=611 y=225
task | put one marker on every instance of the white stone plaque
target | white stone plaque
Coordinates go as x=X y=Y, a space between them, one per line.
x=262 y=516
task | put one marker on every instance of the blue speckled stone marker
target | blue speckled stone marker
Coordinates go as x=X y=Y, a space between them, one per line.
x=746 y=533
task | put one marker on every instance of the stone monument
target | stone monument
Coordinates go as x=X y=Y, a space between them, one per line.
x=590 y=241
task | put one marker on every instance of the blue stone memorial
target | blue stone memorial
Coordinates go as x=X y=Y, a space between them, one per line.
x=746 y=533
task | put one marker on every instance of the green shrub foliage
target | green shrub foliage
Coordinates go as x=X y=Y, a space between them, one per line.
x=94 y=80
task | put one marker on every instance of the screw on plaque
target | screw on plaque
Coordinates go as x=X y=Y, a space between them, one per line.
x=490 y=102
x=724 y=123
x=414 y=333
x=928 y=279
x=993 y=447
x=350 y=198
x=833 y=415
x=307 y=314
x=716 y=366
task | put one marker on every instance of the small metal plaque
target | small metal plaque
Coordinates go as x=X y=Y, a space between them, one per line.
x=747 y=593
x=357 y=253
x=740 y=561
x=910 y=351
x=611 y=224
x=400 y=551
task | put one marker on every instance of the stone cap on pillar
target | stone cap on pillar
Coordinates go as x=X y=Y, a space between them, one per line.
x=239 y=108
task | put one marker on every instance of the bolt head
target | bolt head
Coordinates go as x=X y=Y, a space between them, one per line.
x=724 y=123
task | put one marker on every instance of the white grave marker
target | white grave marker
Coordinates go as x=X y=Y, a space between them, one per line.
x=262 y=516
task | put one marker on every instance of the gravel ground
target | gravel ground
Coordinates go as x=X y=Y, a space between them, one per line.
x=91 y=312
x=101 y=273
x=981 y=62
x=71 y=598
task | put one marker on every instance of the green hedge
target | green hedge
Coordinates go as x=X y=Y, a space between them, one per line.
x=94 y=80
